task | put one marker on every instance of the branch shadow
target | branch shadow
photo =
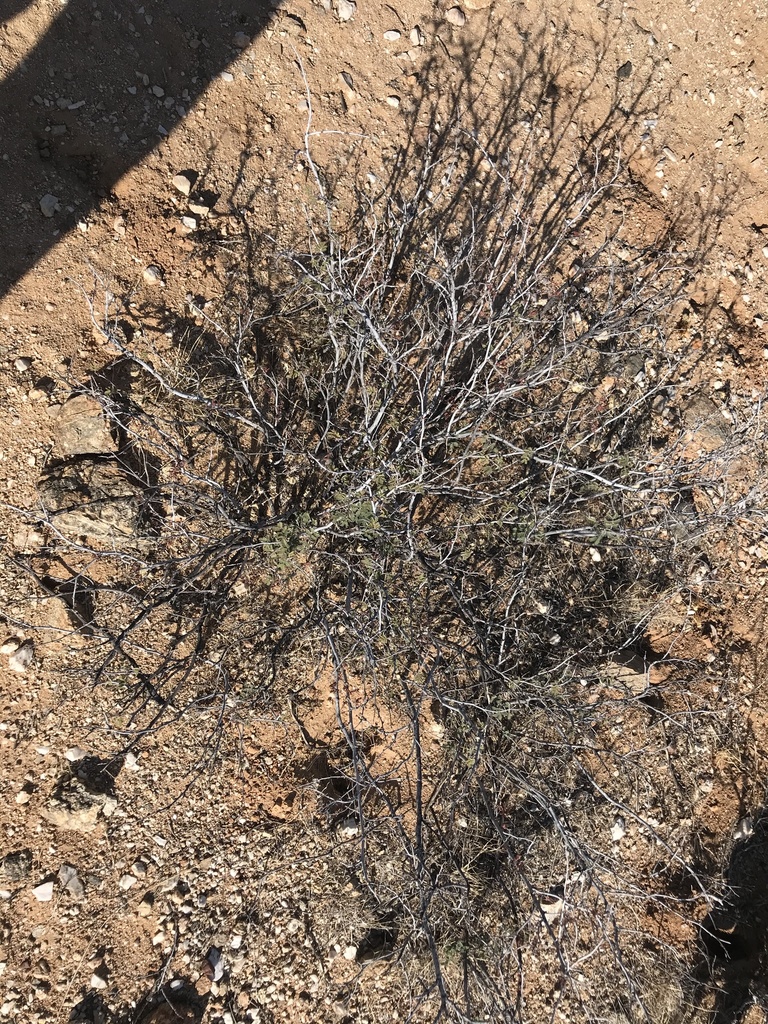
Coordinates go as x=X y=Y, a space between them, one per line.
x=733 y=945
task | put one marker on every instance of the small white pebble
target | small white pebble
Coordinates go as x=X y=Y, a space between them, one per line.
x=49 y=204
x=182 y=183
x=345 y=9
x=43 y=893
x=22 y=658
x=153 y=275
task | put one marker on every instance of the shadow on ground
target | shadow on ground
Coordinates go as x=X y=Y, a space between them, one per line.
x=733 y=937
x=97 y=93
x=174 y=1003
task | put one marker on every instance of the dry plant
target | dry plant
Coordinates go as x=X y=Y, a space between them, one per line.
x=437 y=457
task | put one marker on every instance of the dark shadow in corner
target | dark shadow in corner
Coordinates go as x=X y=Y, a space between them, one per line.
x=99 y=91
x=733 y=937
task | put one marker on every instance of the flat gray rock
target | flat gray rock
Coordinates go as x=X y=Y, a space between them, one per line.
x=76 y=808
x=95 y=499
x=81 y=429
x=15 y=866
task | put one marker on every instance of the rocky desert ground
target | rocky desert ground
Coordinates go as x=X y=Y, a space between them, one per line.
x=201 y=859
